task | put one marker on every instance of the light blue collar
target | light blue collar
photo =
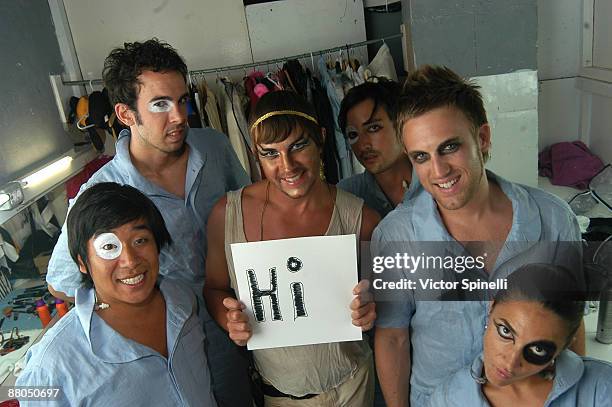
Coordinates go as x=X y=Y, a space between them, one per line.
x=195 y=163
x=110 y=346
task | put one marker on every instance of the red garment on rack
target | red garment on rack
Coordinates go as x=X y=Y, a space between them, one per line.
x=74 y=184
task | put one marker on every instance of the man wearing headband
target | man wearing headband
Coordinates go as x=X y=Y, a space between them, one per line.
x=183 y=171
x=443 y=126
x=128 y=341
x=366 y=118
x=292 y=201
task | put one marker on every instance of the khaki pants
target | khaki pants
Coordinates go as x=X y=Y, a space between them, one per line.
x=357 y=391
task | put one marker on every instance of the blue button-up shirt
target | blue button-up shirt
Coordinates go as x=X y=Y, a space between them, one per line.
x=578 y=381
x=92 y=364
x=447 y=335
x=212 y=170
x=364 y=186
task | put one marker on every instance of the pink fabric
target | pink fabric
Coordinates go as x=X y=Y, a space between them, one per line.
x=250 y=82
x=569 y=164
x=260 y=90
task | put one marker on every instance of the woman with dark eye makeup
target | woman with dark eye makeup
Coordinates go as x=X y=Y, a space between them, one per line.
x=525 y=360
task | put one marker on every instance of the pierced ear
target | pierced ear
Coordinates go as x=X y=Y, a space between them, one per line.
x=125 y=114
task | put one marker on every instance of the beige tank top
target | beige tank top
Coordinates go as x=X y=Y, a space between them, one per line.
x=300 y=370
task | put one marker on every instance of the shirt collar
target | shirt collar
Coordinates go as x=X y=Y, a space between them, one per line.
x=110 y=346
x=195 y=163
x=370 y=181
x=526 y=220
x=569 y=369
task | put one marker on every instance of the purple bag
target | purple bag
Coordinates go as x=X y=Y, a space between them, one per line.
x=569 y=163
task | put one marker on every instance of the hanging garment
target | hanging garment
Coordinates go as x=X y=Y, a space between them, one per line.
x=319 y=100
x=251 y=82
x=233 y=99
x=331 y=81
x=382 y=64
x=296 y=76
x=212 y=110
x=194 y=118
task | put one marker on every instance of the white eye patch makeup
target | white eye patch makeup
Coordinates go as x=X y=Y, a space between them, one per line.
x=161 y=106
x=107 y=246
x=352 y=134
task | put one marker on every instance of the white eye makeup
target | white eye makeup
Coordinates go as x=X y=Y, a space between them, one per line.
x=352 y=134
x=107 y=246
x=161 y=106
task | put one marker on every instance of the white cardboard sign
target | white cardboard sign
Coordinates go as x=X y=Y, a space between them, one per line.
x=297 y=291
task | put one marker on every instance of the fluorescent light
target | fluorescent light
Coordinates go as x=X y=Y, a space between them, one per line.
x=4 y=198
x=47 y=172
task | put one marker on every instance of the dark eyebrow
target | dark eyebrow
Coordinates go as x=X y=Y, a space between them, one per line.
x=449 y=141
x=371 y=120
x=141 y=226
x=509 y=327
x=442 y=144
x=302 y=139
x=157 y=98
x=264 y=150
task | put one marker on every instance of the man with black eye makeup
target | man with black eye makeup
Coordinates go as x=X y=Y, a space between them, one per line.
x=366 y=118
x=443 y=127
x=183 y=171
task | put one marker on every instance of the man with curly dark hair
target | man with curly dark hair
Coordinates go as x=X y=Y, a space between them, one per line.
x=183 y=171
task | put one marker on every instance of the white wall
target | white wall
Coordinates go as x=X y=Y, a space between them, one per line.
x=292 y=27
x=511 y=102
x=206 y=32
x=212 y=33
x=601 y=127
x=570 y=107
x=559 y=31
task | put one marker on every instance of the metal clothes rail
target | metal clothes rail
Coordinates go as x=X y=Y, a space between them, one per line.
x=92 y=82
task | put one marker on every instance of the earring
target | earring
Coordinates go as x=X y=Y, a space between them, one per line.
x=549 y=372
x=480 y=379
x=99 y=305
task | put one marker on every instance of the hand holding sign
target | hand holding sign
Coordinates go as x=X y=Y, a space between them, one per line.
x=296 y=292
x=238 y=325
x=363 y=306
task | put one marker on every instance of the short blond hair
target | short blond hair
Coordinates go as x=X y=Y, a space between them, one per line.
x=431 y=87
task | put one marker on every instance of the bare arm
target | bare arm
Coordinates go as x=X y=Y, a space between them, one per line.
x=369 y=220
x=220 y=298
x=392 y=351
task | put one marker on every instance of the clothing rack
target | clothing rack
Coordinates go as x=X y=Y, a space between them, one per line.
x=92 y=82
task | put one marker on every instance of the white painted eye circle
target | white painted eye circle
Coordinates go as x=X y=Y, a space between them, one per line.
x=107 y=246
x=161 y=106
x=352 y=135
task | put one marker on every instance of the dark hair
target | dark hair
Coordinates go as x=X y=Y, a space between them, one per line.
x=107 y=206
x=432 y=87
x=384 y=93
x=123 y=66
x=555 y=287
x=277 y=128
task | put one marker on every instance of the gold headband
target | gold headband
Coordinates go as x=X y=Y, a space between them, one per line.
x=284 y=112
